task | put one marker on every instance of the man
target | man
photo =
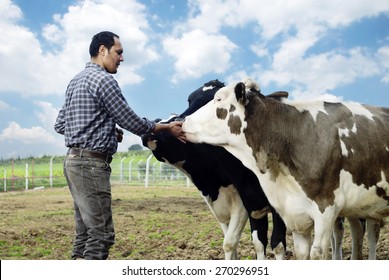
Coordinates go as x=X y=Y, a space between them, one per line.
x=94 y=104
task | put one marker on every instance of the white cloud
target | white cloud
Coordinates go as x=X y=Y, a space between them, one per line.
x=239 y=76
x=259 y=50
x=33 y=135
x=323 y=72
x=279 y=16
x=4 y=106
x=16 y=140
x=383 y=58
x=198 y=53
x=47 y=115
x=34 y=70
x=309 y=75
x=295 y=47
x=52 y=32
x=301 y=95
x=9 y=11
x=15 y=57
x=46 y=72
x=300 y=24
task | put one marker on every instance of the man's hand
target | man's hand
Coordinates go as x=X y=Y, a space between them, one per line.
x=119 y=134
x=175 y=129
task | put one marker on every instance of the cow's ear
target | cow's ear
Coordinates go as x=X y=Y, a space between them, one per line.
x=240 y=93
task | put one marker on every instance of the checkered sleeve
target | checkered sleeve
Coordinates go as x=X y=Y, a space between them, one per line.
x=118 y=109
x=59 y=125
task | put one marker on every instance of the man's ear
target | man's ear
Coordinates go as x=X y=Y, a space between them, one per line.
x=102 y=50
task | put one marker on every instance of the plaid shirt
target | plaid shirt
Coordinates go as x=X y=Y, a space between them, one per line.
x=94 y=104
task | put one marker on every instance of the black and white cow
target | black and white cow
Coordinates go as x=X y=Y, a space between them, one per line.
x=229 y=188
x=315 y=160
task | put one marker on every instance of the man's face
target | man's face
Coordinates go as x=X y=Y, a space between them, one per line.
x=113 y=57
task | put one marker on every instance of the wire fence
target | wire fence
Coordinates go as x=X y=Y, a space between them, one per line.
x=47 y=172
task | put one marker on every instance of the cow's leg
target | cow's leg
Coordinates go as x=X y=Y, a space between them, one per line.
x=229 y=210
x=336 y=239
x=229 y=252
x=373 y=228
x=259 y=229
x=323 y=227
x=224 y=228
x=257 y=207
x=223 y=216
x=237 y=223
x=302 y=243
x=278 y=237
x=357 y=229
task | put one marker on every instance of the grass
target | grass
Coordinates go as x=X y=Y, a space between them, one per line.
x=150 y=223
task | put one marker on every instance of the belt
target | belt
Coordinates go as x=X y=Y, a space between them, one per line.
x=91 y=154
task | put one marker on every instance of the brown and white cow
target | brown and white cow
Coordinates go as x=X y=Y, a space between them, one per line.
x=315 y=160
x=358 y=227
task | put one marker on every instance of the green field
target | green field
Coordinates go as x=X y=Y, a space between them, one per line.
x=47 y=171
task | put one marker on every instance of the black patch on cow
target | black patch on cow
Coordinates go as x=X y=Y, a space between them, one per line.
x=240 y=93
x=232 y=108
x=381 y=193
x=221 y=113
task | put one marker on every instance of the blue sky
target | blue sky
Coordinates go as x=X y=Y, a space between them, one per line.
x=338 y=50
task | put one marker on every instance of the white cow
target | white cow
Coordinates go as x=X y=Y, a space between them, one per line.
x=315 y=160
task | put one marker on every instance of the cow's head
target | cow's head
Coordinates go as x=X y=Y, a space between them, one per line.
x=167 y=148
x=221 y=121
x=202 y=96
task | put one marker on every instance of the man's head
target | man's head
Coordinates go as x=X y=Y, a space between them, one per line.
x=107 y=51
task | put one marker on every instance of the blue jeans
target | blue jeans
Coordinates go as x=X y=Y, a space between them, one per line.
x=89 y=183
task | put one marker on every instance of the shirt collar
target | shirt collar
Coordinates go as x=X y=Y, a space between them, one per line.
x=93 y=65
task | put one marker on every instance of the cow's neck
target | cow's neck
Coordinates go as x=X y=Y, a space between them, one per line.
x=283 y=141
x=269 y=132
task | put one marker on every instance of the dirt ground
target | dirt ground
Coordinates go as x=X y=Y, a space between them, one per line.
x=162 y=223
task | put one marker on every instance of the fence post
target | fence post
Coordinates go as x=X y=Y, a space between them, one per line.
x=5 y=180
x=147 y=170
x=32 y=172
x=130 y=170
x=155 y=173
x=26 y=176
x=12 y=175
x=51 y=172
x=121 y=169
x=139 y=175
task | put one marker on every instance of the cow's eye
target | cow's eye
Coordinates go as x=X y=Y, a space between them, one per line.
x=218 y=99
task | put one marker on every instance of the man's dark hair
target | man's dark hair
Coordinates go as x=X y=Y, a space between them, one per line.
x=105 y=38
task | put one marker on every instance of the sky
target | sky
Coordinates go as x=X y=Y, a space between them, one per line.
x=331 y=49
